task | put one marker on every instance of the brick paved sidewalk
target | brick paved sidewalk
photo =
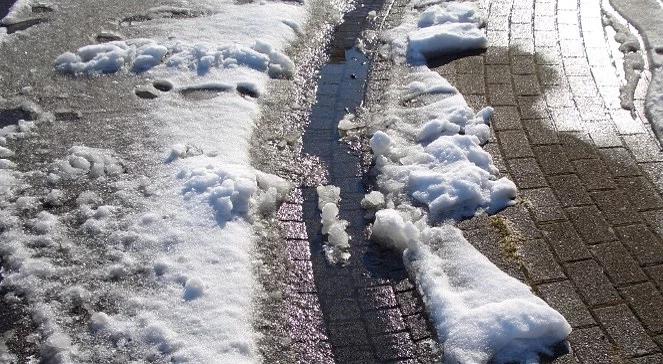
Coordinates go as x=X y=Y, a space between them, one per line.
x=588 y=231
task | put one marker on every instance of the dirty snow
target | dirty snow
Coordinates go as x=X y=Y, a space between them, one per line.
x=432 y=173
x=178 y=269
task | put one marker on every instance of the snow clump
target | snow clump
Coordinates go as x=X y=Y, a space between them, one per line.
x=337 y=247
x=86 y=161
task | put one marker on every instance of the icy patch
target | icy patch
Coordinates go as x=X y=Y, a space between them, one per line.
x=337 y=245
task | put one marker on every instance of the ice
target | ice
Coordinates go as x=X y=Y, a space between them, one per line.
x=380 y=143
x=451 y=12
x=328 y=194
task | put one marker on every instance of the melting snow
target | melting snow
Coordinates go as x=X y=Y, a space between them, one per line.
x=427 y=146
x=337 y=245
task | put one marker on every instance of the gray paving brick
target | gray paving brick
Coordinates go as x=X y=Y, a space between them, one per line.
x=656 y=274
x=578 y=145
x=506 y=118
x=592 y=346
x=603 y=134
x=540 y=131
x=565 y=241
x=499 y=73
x=648 y=359
x=655 y=219
x=618 y=263
x=654 y=171
x=470 y=84
x=539 y=261
x=625 y=329
x=594 y=174
x=620 y=162
x=501 y=94
x=532 y=107
x=398 y=346
x=569 y=190
x=563 y=297
x=591 y=224
x=543 y=204
x=552 y=159
x=616 y=207
x=526 y=173
x=526 y=85
x=641 y=193
x=522 y=65
x=644 y=149
x=592 y=283
x=647 y=303
x=644 y=245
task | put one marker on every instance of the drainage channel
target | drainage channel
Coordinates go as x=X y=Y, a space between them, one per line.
x=371 y=310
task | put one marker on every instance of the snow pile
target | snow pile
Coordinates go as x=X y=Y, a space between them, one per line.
x=432 y=161
x=140 y=55
x=433 y=172
x=337 y=247
x=85 y=161
x=443 y=29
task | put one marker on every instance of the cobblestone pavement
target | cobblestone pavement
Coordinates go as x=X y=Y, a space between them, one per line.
x=589 y=226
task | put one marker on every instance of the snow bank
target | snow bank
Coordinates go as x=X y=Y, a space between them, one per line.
x=433 y=172
x=337 y=245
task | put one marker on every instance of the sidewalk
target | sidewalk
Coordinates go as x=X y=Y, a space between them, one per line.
x=587 y=233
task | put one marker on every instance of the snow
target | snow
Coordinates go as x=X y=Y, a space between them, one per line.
x=188 y=237
x=337 y=245
x=440 y=30
x=432 y=173
x=480 y=312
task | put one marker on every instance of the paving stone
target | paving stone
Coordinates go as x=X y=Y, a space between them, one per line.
x=654 y=171
x=647 y=303
x=353 y=354
x=592 y=346
x=656 y=274
x=615 y=207
x=522 y=65
x=569 y=190
x=566 y=115
x=340 y=308
x=470 y=84
x=377 y=297
x=645 y=246
x=576 y=67
x=643 y=149
x=565 y=241
x=641 y=193
x=526 y=173
x=497 y=55
x=618 y=263
x=543 y=204
x=408 y=302
x=578 y=145
x=506 y=118
x=625 y=330
x=563 y=297
x=540 y=131
x=620 y=162
x=515 y=144
x=591 y=224
x=539 y=261
x=417 y=326
x=526 y=85
x=603 y=134
x=560 y=97
x=591 y=108
x=592 y=283
x=347 y=333
x=532 y=107
x=521 y=222
x=500 y=73
x=655 y=220
x=648 y=359
x=383 y=321
x=594 y=174
x=298 y=249
x=394 y=346
x=501 y=94
x=552 y=159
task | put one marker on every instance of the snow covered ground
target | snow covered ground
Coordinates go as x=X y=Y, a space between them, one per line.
x=190 y=240
x=433 y=172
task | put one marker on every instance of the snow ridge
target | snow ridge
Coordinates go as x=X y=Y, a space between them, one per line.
x=433 y=172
